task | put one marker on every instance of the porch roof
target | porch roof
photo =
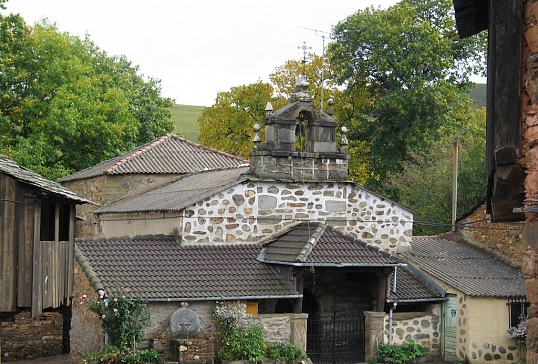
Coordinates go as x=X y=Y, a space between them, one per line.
x=316 y=244
x=468 y=270
x=159 y=268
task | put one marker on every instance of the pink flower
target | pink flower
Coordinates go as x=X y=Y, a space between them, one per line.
x=84 y=296
x=103 y=316
x=81 y=302
x=115 y=299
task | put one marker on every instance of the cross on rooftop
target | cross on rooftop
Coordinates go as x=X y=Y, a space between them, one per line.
x=304 y=48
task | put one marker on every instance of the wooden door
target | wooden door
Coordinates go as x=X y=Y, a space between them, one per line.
x=450 y=313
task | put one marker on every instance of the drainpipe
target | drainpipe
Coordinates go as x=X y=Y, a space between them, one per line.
x=106 y=332
x=394 y=304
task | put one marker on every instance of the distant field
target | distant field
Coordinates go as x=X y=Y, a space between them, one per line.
x=185 y=118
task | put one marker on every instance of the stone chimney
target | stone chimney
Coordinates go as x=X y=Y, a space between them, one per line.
x=300 y=142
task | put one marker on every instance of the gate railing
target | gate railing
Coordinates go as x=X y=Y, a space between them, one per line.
x=335 y=336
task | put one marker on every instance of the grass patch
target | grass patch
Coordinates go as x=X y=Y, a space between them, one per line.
x=185 y=119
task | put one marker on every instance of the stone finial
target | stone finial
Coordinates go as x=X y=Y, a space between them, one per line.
x=268 y=108
x=301 y=90
x=343 y=141
x=330 y=110
x=257 y=139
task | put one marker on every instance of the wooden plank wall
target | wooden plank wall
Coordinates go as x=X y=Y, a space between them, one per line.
x=51 y=274
x=25 y=242
x=8 y=243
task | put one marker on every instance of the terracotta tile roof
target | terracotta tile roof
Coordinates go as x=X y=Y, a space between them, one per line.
x=412 y=286
x=466 y=269
x=178 y=195
x=28 y=176
x=159 y=268
x=168 y=154
x=314 y=243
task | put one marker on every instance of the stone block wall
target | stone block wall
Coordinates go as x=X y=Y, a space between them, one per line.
x=300 y=166
x=251 y=210
x=423 y=327
x=26 y=337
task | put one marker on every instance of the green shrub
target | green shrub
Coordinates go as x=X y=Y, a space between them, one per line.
x=285 y=351
x=115 y=355
x=401 y=353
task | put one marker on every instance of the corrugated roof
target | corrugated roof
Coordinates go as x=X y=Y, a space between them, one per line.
x=28 y=176
x=168 y=154
x=314 y=243
x=468 y=270
x=412 y=286
x=160 y=268
x=178 y=195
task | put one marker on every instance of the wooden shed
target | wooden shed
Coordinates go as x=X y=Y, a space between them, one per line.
x=37 y=219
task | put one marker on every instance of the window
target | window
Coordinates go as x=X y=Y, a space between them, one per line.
x=518 y=310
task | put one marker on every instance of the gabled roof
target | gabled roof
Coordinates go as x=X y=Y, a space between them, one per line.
x=29 y=177
x=159 y=268
x=178 y=195
x=169 y=154
x=466 y=269
x=317 y=244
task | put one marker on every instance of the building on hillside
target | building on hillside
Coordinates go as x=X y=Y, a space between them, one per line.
x=296 y=182
x=484 y=298
x=37 y=237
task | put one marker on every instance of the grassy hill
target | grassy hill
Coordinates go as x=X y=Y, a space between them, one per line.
x=185 y=118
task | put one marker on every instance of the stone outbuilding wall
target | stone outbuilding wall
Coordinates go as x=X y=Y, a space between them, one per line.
x=26 y=337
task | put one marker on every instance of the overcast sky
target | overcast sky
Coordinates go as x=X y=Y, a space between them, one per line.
x=199 y=47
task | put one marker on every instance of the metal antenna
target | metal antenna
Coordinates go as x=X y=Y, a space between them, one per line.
x=304 y=48
x=322 y=58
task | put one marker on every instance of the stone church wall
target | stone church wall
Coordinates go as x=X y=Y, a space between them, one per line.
x=252 y=210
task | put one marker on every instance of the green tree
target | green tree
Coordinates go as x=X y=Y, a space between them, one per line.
x=425 y=182
x=228 y=125
x=406 y=74
x=67 y=105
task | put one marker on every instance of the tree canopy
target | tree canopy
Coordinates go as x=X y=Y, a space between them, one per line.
x=66 y=104
x=406 y=76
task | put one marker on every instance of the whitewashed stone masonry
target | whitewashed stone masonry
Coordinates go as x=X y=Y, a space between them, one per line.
x=254 y=209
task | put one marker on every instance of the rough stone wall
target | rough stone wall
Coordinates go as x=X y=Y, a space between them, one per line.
x=252 y=210
x=504 y=240
x=86 y=334
x=423 y=327
x=529 y=150
x=28 y=337
x=91 y=189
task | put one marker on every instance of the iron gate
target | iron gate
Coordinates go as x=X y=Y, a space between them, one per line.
x=335 y=336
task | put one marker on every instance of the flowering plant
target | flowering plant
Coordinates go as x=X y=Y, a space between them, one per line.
x=518 y=332
x=124 y=317
x=238 y=340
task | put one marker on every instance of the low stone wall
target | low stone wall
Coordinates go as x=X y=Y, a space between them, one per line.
x=30 y=338
x=423 y=327
x=193 y=351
